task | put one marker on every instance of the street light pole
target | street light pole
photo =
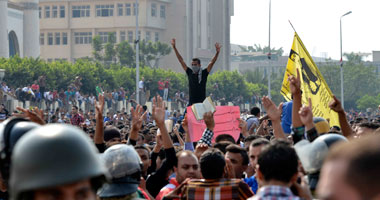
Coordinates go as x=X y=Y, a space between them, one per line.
x=137 y=42
x=341 y=60
x=269 y=54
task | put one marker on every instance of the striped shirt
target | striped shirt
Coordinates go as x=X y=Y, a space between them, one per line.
x=167 y=189
x=274 y=192
x=222 y=189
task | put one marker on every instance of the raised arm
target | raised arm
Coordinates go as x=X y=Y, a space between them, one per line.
x=295 y=88
x=274 y=114
x=179 y=57
x=336 y=106
x=137 y=120
x=159 y=117
x=217 y=47
x=99 y=131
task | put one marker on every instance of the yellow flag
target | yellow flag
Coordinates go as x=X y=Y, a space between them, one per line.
x=313 y=85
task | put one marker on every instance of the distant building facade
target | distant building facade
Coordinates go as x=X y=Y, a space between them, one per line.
x=68 y=26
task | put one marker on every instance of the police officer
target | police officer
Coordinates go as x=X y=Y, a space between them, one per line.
x=55 y=162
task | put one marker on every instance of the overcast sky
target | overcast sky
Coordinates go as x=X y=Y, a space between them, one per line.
x=316 y=22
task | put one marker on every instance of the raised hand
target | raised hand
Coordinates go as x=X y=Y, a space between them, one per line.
x=158 y=110
x=99 y=106
x=243 y=127
x=218 y=47
x=209 y=120
x=336 y=105
x=185 y=125
x=36 y=115
x=295 y=83
x=273 y=111
x=137 y=117
x=306 y=115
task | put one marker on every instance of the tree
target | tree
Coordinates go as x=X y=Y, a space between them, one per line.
x=125 y=54
x=368 y=102
x=97 y=48
x=109 y=48
x=153 y=52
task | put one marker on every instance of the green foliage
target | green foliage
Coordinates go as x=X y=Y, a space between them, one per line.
x=125 y=54
x=109 y=48
x=97 y=48
x=368 y=102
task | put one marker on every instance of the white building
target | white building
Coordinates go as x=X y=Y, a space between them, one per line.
x=19 y=28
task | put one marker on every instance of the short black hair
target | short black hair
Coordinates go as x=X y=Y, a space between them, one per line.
x=225 y=137
x=255 y=111
x=222 y=146
x=212 y=164
x=197 y=60
x=251 y=138
x=76 y=107
x=259 y=142
x=369 y=125
x=278 y=161
x=233 y=148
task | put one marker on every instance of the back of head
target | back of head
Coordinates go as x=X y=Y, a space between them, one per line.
x=255 y=111
x=53 y=155
x=124 y=166
x=278 y=161
x=225 y=137
x=362 y=158
x=212 y=164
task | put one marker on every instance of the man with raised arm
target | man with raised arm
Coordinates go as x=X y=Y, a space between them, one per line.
x=196 y=75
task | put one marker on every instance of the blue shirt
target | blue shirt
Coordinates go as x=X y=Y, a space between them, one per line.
x=252 y=183
x=286 y=117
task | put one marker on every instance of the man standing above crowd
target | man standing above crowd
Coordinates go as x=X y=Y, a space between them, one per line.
x=196 y=75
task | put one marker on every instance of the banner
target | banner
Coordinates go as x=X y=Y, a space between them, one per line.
x=226 y=122
x=313 y=85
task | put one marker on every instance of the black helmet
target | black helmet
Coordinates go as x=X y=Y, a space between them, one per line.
x=53 y=155
x=11 y=131
x=124 y=165
x=313 y=154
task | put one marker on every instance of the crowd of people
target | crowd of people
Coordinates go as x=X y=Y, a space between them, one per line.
x=284 y=153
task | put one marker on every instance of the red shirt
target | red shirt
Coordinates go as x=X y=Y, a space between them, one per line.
x=167 y=189
x=161 y=85
x=166 y=84
x=76 y=120
x=35 y=87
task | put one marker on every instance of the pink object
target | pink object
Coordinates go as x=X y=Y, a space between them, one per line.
x=225 y=123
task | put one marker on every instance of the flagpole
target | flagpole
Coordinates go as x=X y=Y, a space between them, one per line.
x=341 y=61
x=269 y=55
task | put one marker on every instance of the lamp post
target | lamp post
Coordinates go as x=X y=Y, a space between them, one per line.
x=137 y=43
x=341 y=60
x=2 y=74
x=269 y=54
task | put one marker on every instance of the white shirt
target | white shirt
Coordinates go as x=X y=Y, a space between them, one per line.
x=141 y=84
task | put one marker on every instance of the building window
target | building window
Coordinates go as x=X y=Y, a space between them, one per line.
x=83 y=37
x=134 y=9
x=162 y=11
x=104 y=36
x=54 y=11
x=64 y=38
x=39 y=12
x=47 y=11
x=81 y=11
x=147 y=36
x=120 y=9
x=50 y=38
x=128 y=9
x=42 y=38
x=50 y=60
x=122 y=36
x=62 y=11
x=154 y=10
x=156 y=37
x=130 y=36
x=104 y=10
x=58 y=38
